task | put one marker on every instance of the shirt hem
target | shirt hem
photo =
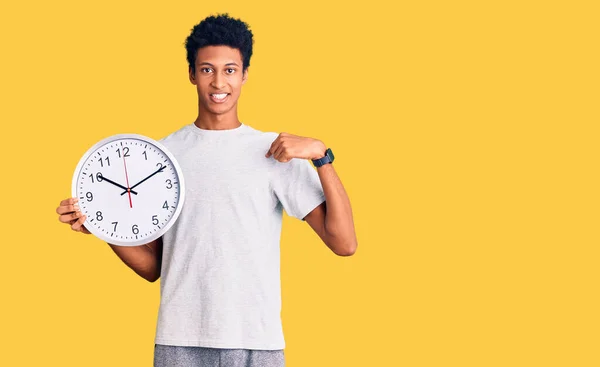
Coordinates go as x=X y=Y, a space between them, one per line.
x=310 y=207
x=220 y=344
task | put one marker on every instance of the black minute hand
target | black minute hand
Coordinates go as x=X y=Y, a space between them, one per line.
x=137 y=184
x=116 y=184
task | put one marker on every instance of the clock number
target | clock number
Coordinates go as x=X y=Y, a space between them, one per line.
x=98 y=177
x=135 y=229
x=160 y=165
x=154 y=220
x=169 y=184
x=99 y=216
x=107 y=161
x=89 y=196
x=165 y=205
x=125 y=152
x=115 y=223
x=145 y=155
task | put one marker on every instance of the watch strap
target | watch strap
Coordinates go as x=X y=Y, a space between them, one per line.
x=328 y=158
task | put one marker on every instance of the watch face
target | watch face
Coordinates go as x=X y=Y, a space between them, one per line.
x=130 y=188
x=330 y=155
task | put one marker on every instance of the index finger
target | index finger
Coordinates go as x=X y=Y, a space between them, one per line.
x=69 y=201
x=273 y=146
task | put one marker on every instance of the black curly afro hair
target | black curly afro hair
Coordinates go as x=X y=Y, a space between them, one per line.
x=220 y=30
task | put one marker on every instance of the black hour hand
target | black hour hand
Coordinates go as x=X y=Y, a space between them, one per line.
x=104 y=178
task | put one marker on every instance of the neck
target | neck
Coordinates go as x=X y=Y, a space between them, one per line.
x=210 y=121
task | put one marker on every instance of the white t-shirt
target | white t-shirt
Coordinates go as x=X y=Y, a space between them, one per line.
x=220 y=278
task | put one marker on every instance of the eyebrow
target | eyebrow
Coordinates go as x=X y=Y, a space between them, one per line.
x=209 y=64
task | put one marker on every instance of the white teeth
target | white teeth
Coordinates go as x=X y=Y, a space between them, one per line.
x=219 y=96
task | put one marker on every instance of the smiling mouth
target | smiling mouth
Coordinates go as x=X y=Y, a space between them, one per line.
x=219 y=97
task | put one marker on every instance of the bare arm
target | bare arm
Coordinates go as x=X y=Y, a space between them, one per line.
x=145 y=260
x=332 y=220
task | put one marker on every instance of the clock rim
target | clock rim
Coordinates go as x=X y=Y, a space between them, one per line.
x=181 y=181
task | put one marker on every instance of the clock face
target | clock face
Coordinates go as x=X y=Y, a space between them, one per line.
x=131 y=189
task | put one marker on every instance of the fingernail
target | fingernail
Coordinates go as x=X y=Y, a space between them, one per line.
x=75 y=200
x=76 y=207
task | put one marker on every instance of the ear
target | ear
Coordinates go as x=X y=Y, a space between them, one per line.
x=245 y=76
x=192 y=76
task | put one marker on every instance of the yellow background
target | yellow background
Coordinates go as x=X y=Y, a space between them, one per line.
x=466 y=134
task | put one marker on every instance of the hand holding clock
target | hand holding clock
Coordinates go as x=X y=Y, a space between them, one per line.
x=69 y=212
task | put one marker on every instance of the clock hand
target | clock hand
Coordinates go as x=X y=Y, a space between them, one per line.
x=127 y=178
x=137 y=184
x=116 y=184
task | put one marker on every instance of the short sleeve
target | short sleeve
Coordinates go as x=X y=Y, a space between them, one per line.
x=297 y=186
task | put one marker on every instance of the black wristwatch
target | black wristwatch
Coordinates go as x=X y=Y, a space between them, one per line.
x=327 y=159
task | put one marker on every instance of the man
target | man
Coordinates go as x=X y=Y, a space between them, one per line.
x=219 y=263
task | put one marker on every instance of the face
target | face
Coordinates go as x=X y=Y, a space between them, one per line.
x=218 y=78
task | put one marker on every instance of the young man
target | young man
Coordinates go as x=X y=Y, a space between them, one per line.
x=219 y=263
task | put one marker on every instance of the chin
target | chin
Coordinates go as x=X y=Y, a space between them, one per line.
x=221 y=108
x=219 y=111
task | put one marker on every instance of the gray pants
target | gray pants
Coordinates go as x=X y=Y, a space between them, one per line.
x=176 y=356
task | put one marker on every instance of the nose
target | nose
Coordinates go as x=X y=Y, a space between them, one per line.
x=218 y=81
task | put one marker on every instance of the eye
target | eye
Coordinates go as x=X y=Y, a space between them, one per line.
x=230 y=71
x=205 y=70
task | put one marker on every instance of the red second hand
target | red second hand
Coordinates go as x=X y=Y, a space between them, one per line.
x=127 y=178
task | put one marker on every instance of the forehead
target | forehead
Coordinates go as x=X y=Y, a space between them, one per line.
x=218 y=55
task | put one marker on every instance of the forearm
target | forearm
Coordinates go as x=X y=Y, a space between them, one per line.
x=141 y=259
x=339 y=224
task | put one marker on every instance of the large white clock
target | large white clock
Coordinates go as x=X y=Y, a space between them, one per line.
x=131 y=189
